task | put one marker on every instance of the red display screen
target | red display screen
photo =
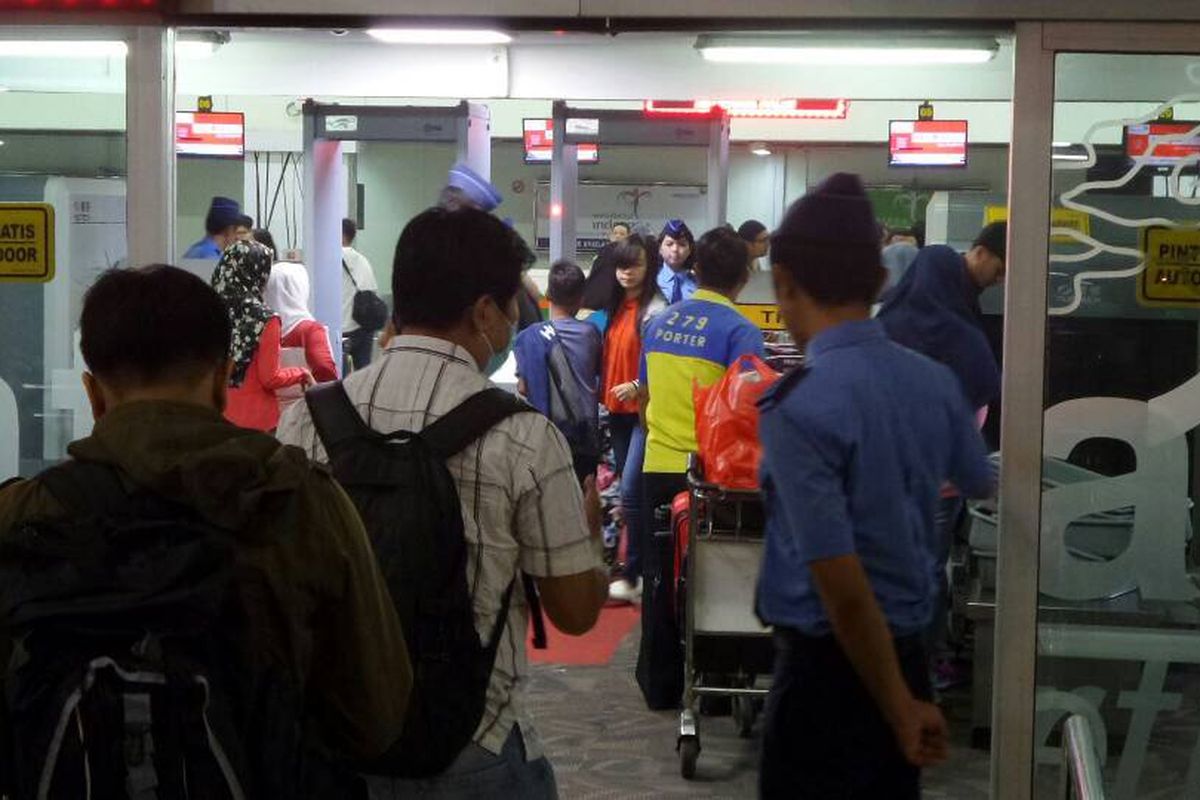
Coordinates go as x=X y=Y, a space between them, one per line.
x=218 y=134
x=927 y=143
x=1166 y=154
x=80 y=5
x=539 y=144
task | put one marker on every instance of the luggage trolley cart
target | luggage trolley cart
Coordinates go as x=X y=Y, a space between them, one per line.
x=725 y=645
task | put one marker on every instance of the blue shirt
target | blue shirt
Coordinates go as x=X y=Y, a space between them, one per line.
x=206 y=248
x=583 y=346
x=669 y=278
x=856 y=446
x=689 y=344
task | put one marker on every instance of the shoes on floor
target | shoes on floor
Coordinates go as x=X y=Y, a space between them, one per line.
x=622 y=591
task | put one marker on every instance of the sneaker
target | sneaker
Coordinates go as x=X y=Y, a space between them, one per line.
x=622 y=591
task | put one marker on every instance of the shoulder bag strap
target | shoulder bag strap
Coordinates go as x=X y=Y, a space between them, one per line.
x=335 y=417
x=349 y=274
x=474 y=417
x=448 y=436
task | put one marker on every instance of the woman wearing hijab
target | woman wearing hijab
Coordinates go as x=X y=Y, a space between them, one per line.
x=934 y=309
x=287 y=295
x=241 y=281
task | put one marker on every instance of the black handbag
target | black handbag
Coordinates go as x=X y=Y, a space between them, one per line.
x=370 y=312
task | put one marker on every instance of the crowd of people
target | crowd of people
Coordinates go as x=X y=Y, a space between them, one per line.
x=351 y=567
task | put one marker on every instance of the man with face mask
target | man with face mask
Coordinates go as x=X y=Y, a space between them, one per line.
x=455 y=279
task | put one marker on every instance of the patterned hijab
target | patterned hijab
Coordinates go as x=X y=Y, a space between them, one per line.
x=241 y=280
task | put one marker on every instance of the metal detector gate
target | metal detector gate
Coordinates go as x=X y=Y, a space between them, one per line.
x=326 y=193
x=623 y=127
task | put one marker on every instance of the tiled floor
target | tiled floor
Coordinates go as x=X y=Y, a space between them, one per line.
x=605 y=745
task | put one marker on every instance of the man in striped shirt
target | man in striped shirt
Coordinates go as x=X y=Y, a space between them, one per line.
x=455 y=280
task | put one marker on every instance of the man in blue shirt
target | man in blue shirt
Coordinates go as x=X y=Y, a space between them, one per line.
x=221 y=224
x=855 y=448
x=564 y=387
x=676 y=278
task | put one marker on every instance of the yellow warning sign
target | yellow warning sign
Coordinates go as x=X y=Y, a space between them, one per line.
x=26 y=242
x=1059 y=218
x=764 y=315
x=1172 y=274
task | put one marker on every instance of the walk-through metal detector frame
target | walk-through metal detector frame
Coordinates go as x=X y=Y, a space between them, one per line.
x=630 y=127
x=326 y=194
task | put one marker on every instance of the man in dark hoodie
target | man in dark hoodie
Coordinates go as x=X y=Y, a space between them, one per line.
x=310 y=602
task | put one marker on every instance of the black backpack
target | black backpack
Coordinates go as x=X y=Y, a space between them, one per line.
x=409 y=503
x=369 y=311
x=569 y=407
x=123 y=683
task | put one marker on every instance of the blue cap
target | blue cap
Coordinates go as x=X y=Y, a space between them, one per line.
x=223 y=212
x=477 y=189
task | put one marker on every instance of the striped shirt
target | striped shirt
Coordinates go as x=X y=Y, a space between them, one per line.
x=522 y=507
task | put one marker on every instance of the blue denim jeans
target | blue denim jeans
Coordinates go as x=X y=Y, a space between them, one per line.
x=478 y=775
x=631 y=503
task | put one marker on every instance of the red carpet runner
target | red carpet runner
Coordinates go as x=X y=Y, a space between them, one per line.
x=594 y=648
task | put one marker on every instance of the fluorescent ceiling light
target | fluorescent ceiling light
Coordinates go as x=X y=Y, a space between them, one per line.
x=62 y=49
x=438 y=36
x=819 y=50
x=760 y=149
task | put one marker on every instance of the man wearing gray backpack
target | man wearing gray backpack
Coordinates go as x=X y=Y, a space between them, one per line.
x=194 y=609
x=464 y=490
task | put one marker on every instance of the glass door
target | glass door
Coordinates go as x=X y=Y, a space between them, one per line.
x=1115 y=389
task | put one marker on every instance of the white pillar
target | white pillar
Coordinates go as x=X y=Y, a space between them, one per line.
x=564 y=187
x=325 y=204
x=150 y=144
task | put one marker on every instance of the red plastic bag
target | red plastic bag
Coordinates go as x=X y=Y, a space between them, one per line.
x=727 y=423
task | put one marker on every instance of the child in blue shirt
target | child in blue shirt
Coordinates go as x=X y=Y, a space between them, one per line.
x=558 y=367
x=856 y=446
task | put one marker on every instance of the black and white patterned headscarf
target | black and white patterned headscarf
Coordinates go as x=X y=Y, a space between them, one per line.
x=241 y=279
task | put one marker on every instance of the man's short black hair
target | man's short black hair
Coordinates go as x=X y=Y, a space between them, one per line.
x=832 y=274
x=349 y=230
x=264 y=237
x=152 y=325
x=993 y=238
x=722 y=261
x=446 y=260
x=750 y=230
x=565 y=287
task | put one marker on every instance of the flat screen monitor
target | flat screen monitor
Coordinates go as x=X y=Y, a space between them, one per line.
x=1138 y=139
x=539 y=144
x=215 y=134
x=927 y=143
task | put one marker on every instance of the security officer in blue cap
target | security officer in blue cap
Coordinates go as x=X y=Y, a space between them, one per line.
x=221 y=224
x=856 y=447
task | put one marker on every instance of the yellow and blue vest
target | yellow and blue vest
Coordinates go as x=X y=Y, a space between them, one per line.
x=693 y=342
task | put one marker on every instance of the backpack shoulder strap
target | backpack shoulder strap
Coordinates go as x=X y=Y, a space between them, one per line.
x=84 y=487
x=474 y=417
x=334 y=416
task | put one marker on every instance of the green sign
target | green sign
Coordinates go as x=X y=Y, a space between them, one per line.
x=898 y=208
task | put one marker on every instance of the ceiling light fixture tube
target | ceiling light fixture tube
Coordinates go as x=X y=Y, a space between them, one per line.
x=425 y=36
x=51 y=48
x=826 y=51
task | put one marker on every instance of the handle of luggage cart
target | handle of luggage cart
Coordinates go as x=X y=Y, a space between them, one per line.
x=710 y=491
